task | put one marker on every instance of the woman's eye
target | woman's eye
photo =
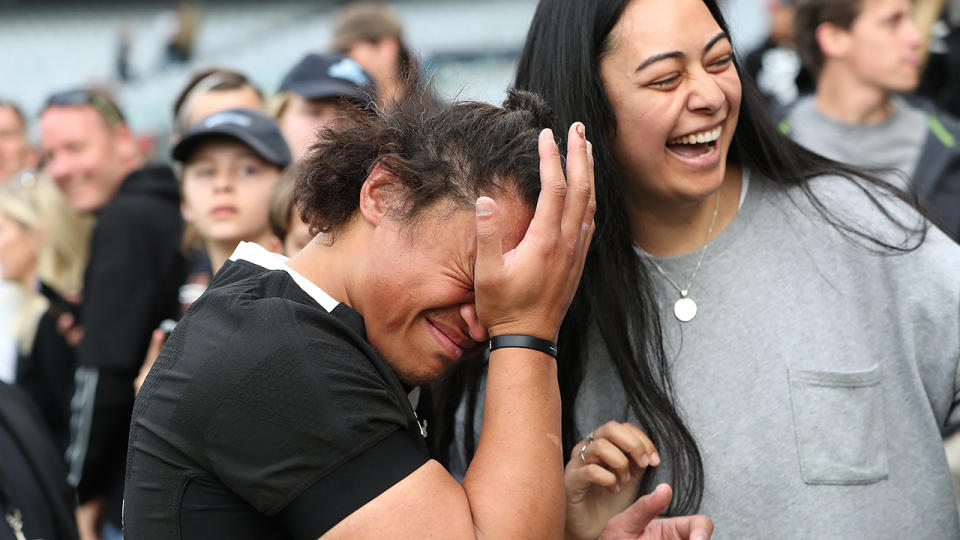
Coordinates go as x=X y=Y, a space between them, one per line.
x=723 y=62
x=249 y=170
x=665 y=82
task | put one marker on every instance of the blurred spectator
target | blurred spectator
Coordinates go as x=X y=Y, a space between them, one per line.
x=35 y=500
x=285 y=219
x=124 y=49
x=179 y=48
x=207 y=92
x=311 y=94
x=941 y=79
x=16 y=154
x=130 y=283
x=775 y=65
x=213 y=90
x=864 y=53
x=231 y=162
x=372 y=34
x=43 y=248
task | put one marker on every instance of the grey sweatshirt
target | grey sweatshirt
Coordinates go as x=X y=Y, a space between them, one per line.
x=817 y=375
x=893 y=144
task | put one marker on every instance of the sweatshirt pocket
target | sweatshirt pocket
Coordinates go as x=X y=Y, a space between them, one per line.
x=839 y=423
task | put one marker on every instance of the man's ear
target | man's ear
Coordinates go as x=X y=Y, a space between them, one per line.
x=125 y=142
x=833 y=40
x=380 y=195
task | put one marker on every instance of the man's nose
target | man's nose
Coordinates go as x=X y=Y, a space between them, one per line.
x=57 y=169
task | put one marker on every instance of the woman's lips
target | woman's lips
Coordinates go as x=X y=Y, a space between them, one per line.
x=453 y=344
x=697 y=156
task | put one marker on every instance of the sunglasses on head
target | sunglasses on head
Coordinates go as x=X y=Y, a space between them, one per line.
x=81 y=96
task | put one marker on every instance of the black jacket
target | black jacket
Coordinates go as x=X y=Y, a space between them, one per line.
x=130 y=285
x=937 y=177
x=22 y=422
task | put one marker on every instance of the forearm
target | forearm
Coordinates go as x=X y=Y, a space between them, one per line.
x=514 y=484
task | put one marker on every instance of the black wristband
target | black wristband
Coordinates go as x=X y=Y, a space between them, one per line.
x=524 y=342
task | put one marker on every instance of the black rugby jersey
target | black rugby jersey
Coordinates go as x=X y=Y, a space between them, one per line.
x=265 y=416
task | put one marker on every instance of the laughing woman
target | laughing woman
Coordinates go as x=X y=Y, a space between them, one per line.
x=784 y=328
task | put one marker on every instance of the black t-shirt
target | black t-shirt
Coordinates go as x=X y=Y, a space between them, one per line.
x=265 y=416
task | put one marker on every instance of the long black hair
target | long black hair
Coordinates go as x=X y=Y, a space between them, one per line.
x=560 y=61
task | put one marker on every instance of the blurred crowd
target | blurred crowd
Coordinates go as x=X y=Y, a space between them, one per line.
x=103 y=250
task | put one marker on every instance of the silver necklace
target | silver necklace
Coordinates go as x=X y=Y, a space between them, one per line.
x=685 y=309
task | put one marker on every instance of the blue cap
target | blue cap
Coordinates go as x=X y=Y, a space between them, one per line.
x=322 y=76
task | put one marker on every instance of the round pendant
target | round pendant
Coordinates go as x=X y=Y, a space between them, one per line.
x=685 y=309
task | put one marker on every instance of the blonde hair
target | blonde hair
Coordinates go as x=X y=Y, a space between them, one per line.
x=37 y=205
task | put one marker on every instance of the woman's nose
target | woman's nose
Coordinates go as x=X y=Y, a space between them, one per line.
x=705 y=94
x=477 y=331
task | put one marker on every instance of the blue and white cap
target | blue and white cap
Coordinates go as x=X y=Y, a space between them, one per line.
x=321 y=76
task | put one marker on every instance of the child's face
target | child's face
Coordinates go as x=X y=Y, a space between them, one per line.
x=298 y=235
x=226 y=192
x=301 y=120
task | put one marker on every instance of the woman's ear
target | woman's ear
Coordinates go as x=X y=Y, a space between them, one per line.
x=380 y=195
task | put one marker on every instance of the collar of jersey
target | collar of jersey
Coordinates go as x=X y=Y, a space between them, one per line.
x=258 y=255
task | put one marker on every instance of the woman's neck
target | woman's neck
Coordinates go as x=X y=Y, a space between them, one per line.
x=333 y=262
x=667 y=229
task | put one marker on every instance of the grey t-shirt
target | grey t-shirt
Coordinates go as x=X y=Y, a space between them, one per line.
x=893 y=144
x=816 y=377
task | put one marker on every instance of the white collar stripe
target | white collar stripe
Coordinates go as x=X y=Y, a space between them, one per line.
x=256 y=254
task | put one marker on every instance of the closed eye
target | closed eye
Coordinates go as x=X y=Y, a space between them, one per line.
x=722 y=63
x=665 y=82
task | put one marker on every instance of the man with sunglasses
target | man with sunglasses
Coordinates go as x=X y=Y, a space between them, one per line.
x=130 y=284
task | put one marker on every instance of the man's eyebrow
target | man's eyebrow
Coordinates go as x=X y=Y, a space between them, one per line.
x=678 y=54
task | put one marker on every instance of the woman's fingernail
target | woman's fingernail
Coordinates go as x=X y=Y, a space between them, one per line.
x=655 y=459
x=616 y=488
x=484 y=208
x=626 y=476
x=644 y=460
x=580 y=130
x=590 y=148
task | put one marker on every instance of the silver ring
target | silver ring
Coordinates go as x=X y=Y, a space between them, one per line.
x=583 y=448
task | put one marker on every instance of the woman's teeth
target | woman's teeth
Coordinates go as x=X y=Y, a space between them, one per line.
x=698 y=138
